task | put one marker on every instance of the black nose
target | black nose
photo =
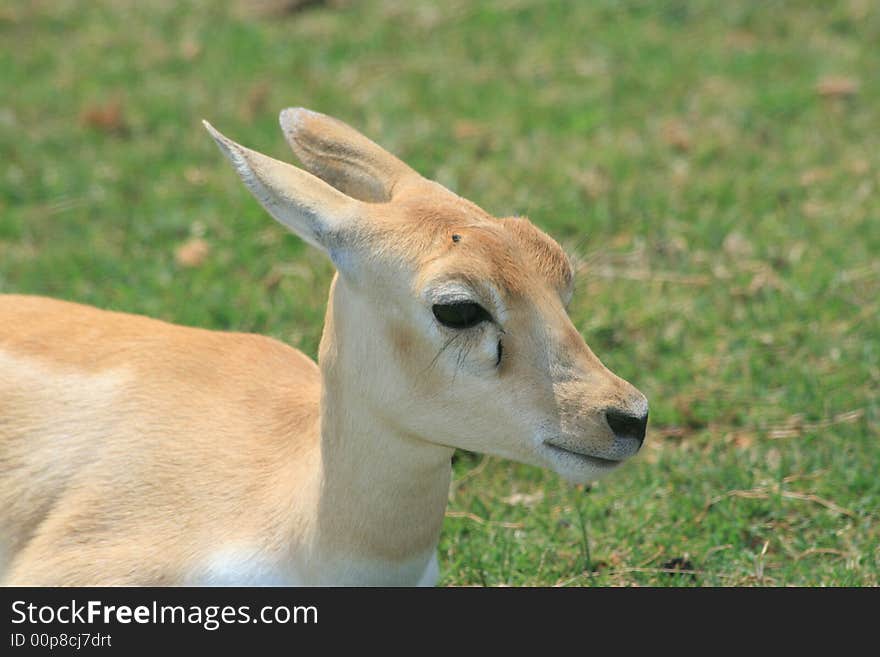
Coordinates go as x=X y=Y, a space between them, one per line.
x=626 y=425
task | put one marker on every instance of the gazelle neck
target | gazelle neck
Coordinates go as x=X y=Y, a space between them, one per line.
x=383 y=491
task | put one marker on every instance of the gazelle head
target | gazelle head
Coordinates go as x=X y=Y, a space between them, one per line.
x=453 y=321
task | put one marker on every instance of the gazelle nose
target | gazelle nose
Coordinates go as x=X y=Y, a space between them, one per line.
x=627 y=425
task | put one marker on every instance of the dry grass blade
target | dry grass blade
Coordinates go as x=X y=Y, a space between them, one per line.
x=816 y=550
x=653 y=557
x=470 y=474
x=717 y=548
x=764 y=492
x=795 y=428
x=809 y=497
x=467 y=515
x=837 y=86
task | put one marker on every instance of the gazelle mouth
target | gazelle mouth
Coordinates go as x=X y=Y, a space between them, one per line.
x=588 y=459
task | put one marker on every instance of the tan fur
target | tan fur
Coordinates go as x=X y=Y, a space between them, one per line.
x=105 y=420
x=133 y=451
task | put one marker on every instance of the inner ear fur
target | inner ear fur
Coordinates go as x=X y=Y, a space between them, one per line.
x=323 y=216
x=343 y=157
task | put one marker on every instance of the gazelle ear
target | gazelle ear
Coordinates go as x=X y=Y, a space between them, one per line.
x=318 y=213
x=343 y=157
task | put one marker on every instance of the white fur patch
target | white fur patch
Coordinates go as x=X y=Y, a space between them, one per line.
x=237 y=566
x=432 y=572
x=241 y=566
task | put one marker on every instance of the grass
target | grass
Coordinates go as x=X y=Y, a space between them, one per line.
x=713 y=166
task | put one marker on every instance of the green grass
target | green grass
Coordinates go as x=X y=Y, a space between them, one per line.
x=724 y=205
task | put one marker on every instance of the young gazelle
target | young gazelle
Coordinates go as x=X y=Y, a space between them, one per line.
x=138 y=452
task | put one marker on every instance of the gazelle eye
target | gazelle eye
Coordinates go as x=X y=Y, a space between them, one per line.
x=460 y=315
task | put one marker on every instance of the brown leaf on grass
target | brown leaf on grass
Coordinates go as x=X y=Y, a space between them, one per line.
x=675 y=133
x=859 y=166
x=195 y=176
x=10 y=15
x=107 y=117
x=190 y=48
x=621 y=240
x=837 y=86
x=465 y=129
x=477 y=133
x=741 y=439
x=256 y=99
x=192 y=253
x=812 y=176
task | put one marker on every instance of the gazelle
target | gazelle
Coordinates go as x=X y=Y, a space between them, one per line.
x=134 y=452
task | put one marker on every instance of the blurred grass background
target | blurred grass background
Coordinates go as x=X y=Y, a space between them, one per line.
x=713 y=167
